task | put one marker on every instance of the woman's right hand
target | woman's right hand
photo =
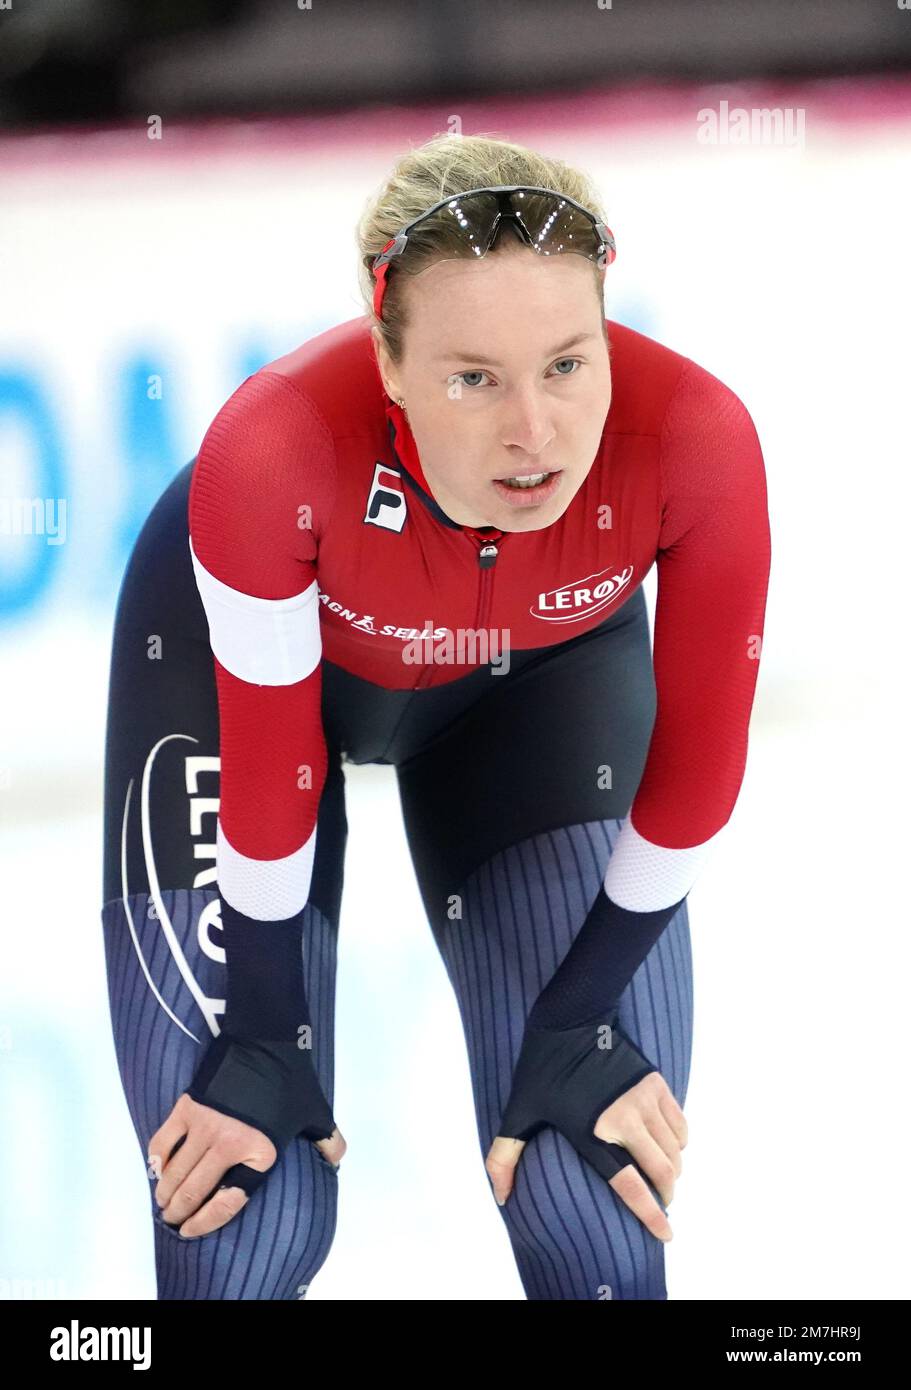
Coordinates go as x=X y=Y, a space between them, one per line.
x=202 y=1145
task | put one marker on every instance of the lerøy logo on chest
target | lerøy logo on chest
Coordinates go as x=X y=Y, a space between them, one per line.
x=583 y=597
x=386 y=504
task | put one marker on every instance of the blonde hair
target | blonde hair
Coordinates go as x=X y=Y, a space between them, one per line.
x=445 y=165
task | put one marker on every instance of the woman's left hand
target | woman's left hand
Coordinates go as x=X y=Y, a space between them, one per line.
x=594 y=1085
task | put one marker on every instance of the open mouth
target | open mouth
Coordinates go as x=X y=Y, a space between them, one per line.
x=530 y=480
x=534 y=487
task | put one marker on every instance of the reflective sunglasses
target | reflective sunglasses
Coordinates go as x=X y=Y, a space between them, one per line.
x=549 y=222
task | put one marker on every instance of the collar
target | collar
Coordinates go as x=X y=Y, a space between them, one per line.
x=405 y=451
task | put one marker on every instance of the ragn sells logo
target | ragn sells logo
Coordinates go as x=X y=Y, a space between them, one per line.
x=364 y=622
x=572 y=602
x=386 y=502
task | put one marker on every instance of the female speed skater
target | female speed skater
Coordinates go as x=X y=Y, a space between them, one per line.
x=419 y=539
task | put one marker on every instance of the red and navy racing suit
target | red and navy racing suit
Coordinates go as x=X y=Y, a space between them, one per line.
x=311 y=594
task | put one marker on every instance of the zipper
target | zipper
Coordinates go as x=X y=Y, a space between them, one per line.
x=488 y=550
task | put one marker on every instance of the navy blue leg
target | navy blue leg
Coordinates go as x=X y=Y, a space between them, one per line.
x=572 y=1236
x=162 y=959
x=162 y=926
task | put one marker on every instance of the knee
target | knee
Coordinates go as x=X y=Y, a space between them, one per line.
x=572 y=1236
x=271 y=1250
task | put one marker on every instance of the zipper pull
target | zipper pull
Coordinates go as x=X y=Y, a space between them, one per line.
x=487 y=550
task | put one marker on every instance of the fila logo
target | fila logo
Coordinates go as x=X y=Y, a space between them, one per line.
x=386 y=503
x=581 y=599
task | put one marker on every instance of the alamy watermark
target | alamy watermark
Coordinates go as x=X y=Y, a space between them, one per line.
x=461 y=646
x=34 y=516
x=38 y=1287
x=78 y=1342
x=755 y=125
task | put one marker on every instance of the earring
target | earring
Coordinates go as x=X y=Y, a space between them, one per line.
x=401 y=402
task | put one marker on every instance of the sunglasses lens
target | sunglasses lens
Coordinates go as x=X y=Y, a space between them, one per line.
x=552 y=224
x=472 y=219
x=555 y=226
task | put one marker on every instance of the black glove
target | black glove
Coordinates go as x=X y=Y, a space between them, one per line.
x=272 y=1086
x=256 y=1070
x=566 y=1078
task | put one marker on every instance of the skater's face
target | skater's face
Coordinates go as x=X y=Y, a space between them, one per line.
x=505 y=371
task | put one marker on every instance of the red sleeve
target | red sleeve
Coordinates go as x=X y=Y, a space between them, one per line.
x=713 y=561
x=261 y=493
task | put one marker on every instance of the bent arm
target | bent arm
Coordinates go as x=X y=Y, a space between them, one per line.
x=265 y=465
x=713 y=563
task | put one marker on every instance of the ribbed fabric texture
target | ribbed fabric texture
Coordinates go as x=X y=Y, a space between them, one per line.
x=274 y=1247
x=571 y=1235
